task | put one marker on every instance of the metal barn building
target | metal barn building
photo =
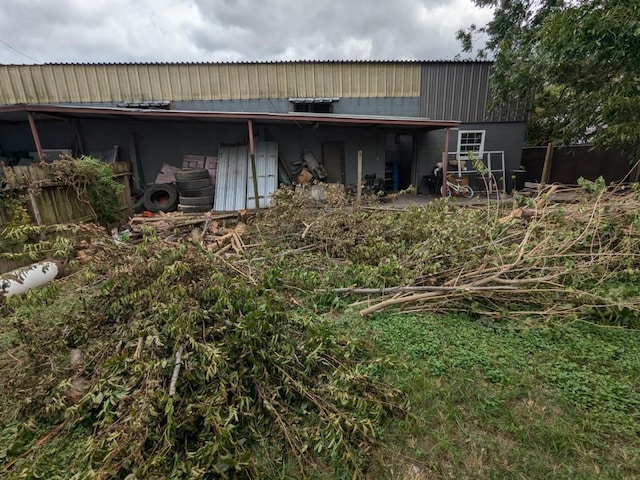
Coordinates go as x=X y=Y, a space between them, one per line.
x=397 y=113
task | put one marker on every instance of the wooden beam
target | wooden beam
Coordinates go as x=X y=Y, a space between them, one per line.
x=254 y=170
x=137 y=179
x=36 y=137
x=546 y=169
x=359 y=187
x=34 y=207
x=80 y=142
x=445 y=163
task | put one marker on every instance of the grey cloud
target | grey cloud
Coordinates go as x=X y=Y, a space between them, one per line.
x=221 y=30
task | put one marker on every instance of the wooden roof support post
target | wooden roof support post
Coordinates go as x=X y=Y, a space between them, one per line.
x=445 y=163
x=359 y=187
x=36 y=137
x=546 y=168
x=137 y=179
x=254 y=172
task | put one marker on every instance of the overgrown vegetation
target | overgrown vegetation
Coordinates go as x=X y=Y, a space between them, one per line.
x=492 y=343
x=20 y=239
x=574 y=60
x=90 y=180
x=93 y=182
x=261 y=387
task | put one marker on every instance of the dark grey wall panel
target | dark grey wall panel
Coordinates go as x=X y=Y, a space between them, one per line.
x=460 y=91
x=275 y=105
x=385 y=106
x=293 y=142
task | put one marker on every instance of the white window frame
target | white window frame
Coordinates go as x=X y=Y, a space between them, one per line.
x=479 y=152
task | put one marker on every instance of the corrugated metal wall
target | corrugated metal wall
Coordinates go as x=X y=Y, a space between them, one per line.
x=460 y=91
x=91 y=83
x=266 y=174
x=234 y=178
x=231 y=178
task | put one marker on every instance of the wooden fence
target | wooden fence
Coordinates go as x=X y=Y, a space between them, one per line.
x=53 y=203
x=570 y=163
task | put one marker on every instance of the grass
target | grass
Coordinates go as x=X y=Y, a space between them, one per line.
x=508 y=400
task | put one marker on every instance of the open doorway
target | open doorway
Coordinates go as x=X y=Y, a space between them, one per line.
x=333 y=160
x=398 y=161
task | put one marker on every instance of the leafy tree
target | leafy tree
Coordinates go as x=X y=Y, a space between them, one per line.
x=578 y=62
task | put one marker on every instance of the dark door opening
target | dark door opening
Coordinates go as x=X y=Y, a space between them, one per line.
x=398 y=161
x=333 y=160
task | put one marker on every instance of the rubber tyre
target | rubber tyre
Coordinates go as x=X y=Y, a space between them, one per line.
x=138 y=205
x=196 y=200
x=467 y=192
x=137 y=200
x=194 y=184
x=192 y=174
x=194 y=208
x=199 y=192
x=160 y=198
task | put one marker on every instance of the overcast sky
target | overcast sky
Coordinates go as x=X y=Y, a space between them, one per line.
x=45 y=31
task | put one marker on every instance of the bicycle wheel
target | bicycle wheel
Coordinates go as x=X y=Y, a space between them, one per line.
x=466 y=191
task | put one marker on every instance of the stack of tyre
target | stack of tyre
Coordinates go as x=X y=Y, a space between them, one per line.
x=195 y=190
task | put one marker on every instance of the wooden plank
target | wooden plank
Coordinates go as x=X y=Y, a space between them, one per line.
x=135 y=165
x=53 y=202
x=359 y=187
x=546 y=169
x=34 y=208
x=36 y=137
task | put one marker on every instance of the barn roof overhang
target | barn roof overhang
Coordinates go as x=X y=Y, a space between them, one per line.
x=19 y=113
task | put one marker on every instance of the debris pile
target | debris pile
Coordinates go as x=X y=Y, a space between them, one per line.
x=203 y=357
x=219 y=233
x=308 y=170
x=541 y=258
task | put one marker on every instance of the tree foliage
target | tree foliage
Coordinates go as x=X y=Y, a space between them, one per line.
x=576 y=60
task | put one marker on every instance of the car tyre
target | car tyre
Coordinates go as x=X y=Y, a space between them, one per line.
x=160 y=198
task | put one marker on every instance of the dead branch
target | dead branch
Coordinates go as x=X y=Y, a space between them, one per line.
x=176 y=372
x=409 y=289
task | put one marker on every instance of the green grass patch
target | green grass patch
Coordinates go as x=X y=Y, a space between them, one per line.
x=502 y=400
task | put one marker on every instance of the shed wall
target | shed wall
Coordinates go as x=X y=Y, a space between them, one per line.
x=460 y=91
x=507 y=137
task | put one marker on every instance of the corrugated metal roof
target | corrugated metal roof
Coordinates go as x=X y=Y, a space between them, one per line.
x=12 y=113
x=460 y=91
x=260 y=62
x=138 y=82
